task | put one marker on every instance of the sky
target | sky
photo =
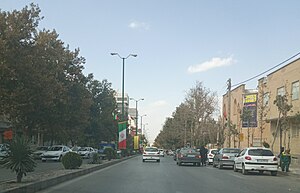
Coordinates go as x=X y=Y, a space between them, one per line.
x=177 y=42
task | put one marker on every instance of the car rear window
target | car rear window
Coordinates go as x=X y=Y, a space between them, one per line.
x=231 y=151
x=151 y=149
x=188 y=151
x=260 y=152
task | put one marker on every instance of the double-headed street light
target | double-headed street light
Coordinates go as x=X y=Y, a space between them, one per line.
x=136 y=113
x=123 y=59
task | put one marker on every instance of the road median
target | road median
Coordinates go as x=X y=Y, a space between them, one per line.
x=45 y=180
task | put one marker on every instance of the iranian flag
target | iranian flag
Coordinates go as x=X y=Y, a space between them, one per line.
x=122 y=134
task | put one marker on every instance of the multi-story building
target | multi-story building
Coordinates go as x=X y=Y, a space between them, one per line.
x=274 y=128
x=119 y=103
x=236 y=133
x=284 y=131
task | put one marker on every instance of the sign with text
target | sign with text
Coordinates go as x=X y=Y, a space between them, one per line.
x=250 y=110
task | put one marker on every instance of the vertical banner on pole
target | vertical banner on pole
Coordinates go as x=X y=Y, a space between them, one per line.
x=122 y=134
x=136 y=142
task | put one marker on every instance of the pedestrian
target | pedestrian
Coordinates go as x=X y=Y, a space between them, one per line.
x=285 y=160
x=203 y=154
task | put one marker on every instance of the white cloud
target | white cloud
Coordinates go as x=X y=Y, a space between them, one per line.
x=139 y=25
x=213 y=63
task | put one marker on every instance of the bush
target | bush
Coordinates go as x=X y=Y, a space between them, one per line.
x=266 y=145
x=109 y=152
x=71 y=160
x=96 y=159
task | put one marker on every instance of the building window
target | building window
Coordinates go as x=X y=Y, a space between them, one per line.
x=295 y=90
x=266 y=99
x=281 y=91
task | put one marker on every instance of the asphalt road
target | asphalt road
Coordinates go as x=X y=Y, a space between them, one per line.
x=134 y=176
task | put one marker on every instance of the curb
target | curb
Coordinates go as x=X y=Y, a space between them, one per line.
x=40 y=185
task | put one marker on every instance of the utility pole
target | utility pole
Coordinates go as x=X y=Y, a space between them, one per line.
x=229 y=113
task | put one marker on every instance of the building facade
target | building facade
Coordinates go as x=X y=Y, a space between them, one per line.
x=275 y=128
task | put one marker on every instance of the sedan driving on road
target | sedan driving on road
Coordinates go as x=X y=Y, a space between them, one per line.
x=151 y=153
x=188 y=155
x=256 y=159
x=225 y=157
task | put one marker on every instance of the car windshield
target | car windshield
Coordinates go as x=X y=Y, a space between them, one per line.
x=42 y=148
x=84 y=149
x=231 y=151
x=55 y=149
x=151 y=149
x=260 y=152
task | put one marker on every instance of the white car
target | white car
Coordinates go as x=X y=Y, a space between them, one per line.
x=86 y=152
x=39 y=151
x=161 y=152
x=151 y=153
x=256 y=159
x=210 y=155
x=55 y=153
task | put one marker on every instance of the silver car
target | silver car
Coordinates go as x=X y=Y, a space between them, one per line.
x=225 y=157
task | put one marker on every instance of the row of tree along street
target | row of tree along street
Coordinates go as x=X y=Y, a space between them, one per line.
x=193 y=121
x=43 y=92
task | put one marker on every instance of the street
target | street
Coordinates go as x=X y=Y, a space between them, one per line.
x=134 y=176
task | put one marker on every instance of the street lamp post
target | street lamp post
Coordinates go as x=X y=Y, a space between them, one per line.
x=123 y=75
x=136 y=114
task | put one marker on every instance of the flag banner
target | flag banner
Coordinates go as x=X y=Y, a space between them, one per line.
x=122 y=134
x=136 y=142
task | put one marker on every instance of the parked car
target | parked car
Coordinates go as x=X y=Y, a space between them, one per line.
x=151 y=153
x=39 y=151
x=225 y=157
x=3 y=150
x=210 y=155
x=188 y=155
x=86 y=152
x=161 y=152
x=256 y=159
x=55 y=153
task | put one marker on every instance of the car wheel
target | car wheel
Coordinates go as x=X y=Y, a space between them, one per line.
x=60 y=157
x=143 y=160
x=179 y=163
x=158 y=160
x=274 y=173
x=234 y=168
x=261 y=172
x=198 y=164
x=244 y=171
x=43 y=160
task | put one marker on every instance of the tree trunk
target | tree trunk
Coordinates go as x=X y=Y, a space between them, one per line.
x=19 y=177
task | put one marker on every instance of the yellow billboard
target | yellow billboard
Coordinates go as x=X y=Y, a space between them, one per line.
x=136 y=142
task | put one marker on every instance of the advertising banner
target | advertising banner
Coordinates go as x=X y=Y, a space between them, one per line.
x=250 y=106
x=136 y=142
x=122 y=134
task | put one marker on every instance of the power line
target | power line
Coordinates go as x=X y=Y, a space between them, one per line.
x=267 y=70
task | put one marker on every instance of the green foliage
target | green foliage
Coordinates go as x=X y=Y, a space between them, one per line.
x=71 y=160
x=96 y=159
x=109 y=152
x=266 y=145
x=43 y=87
x=19 y=158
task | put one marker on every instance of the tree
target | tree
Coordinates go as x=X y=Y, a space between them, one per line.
x=19 y=158
x=283 y=107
